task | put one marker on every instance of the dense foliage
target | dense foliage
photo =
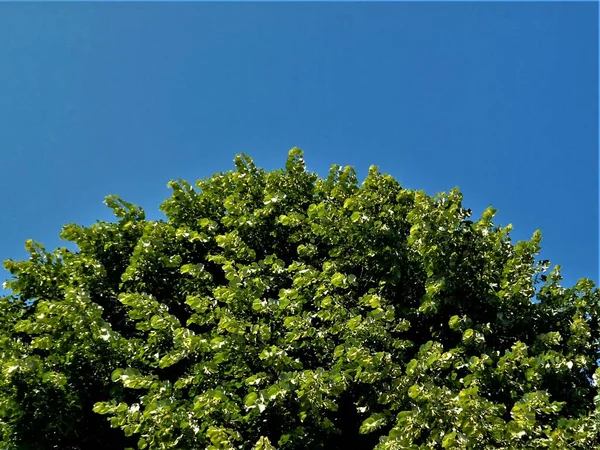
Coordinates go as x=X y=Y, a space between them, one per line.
x=283 y=310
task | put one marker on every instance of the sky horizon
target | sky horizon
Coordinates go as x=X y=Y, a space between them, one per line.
x=499 y=99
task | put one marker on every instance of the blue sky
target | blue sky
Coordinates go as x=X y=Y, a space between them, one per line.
x=499 y=99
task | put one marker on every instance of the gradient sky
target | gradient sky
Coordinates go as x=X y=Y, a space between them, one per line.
x=499 y=99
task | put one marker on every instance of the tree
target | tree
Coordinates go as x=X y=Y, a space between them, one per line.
x=283 y=310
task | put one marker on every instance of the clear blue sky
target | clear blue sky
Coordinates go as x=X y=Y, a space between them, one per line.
x=499 y=99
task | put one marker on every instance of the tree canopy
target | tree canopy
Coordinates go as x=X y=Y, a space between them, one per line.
x=278 y=309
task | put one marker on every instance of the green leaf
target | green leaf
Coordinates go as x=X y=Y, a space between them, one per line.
x=338 y=280
x=250 y=400
x=414 y=391
x=468 y=335
x=373 y=423
x=454 y=323
x=449 y=440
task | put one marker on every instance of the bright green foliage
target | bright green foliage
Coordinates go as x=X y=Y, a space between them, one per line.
x=282 y=310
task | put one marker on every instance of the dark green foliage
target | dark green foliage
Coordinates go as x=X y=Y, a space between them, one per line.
x=282 y=310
